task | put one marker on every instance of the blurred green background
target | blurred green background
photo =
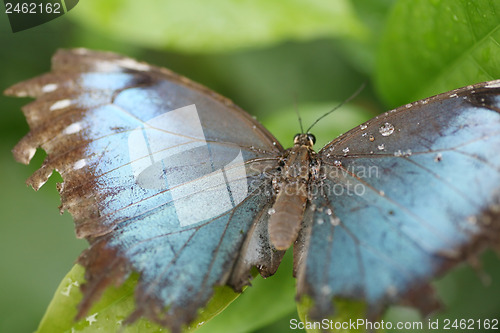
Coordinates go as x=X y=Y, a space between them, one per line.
x=269 y=57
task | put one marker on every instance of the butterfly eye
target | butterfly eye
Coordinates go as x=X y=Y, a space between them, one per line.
x=311 y=137
x=296 y=138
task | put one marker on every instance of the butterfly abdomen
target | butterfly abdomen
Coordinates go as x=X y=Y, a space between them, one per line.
x=288 y=210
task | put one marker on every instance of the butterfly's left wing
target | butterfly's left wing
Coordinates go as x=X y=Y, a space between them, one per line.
x=161 y=175
x=402 y=198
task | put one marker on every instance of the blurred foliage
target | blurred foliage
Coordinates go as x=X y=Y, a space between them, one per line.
x=434 y=46
x=219 y=25
x=264 y=55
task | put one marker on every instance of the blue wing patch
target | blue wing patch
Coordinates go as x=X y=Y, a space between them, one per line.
x=402 y=198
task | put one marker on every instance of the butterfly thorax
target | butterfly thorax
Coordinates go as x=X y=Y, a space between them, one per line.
x=288 y=209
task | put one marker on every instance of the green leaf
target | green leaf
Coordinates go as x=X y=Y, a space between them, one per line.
x=432 y=46
x=347 y=312
x=265 y=302
x=114 y=306
x=361 y=52
x=217 y=25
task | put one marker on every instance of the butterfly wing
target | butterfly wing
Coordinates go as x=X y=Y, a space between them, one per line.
x=402 y=198
x=161 y=175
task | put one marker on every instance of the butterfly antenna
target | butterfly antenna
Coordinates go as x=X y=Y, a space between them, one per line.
x=298 y=113
x=356 y=93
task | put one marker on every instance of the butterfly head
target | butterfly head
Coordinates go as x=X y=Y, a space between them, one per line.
x=304 y=139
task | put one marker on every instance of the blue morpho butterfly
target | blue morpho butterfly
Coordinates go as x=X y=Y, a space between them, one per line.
x=166 y=178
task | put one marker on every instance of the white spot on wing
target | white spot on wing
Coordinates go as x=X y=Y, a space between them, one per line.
x=60 y=104
x=493 y=84
x=80 y=50
x=73 y=128
x=129 y=63
x=115 y=65
x=31 y=153
x=49 y=87
x=105 y=66
x=21 y=93
x=79 y=164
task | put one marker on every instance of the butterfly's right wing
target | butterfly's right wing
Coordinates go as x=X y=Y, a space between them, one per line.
x=401 y=199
